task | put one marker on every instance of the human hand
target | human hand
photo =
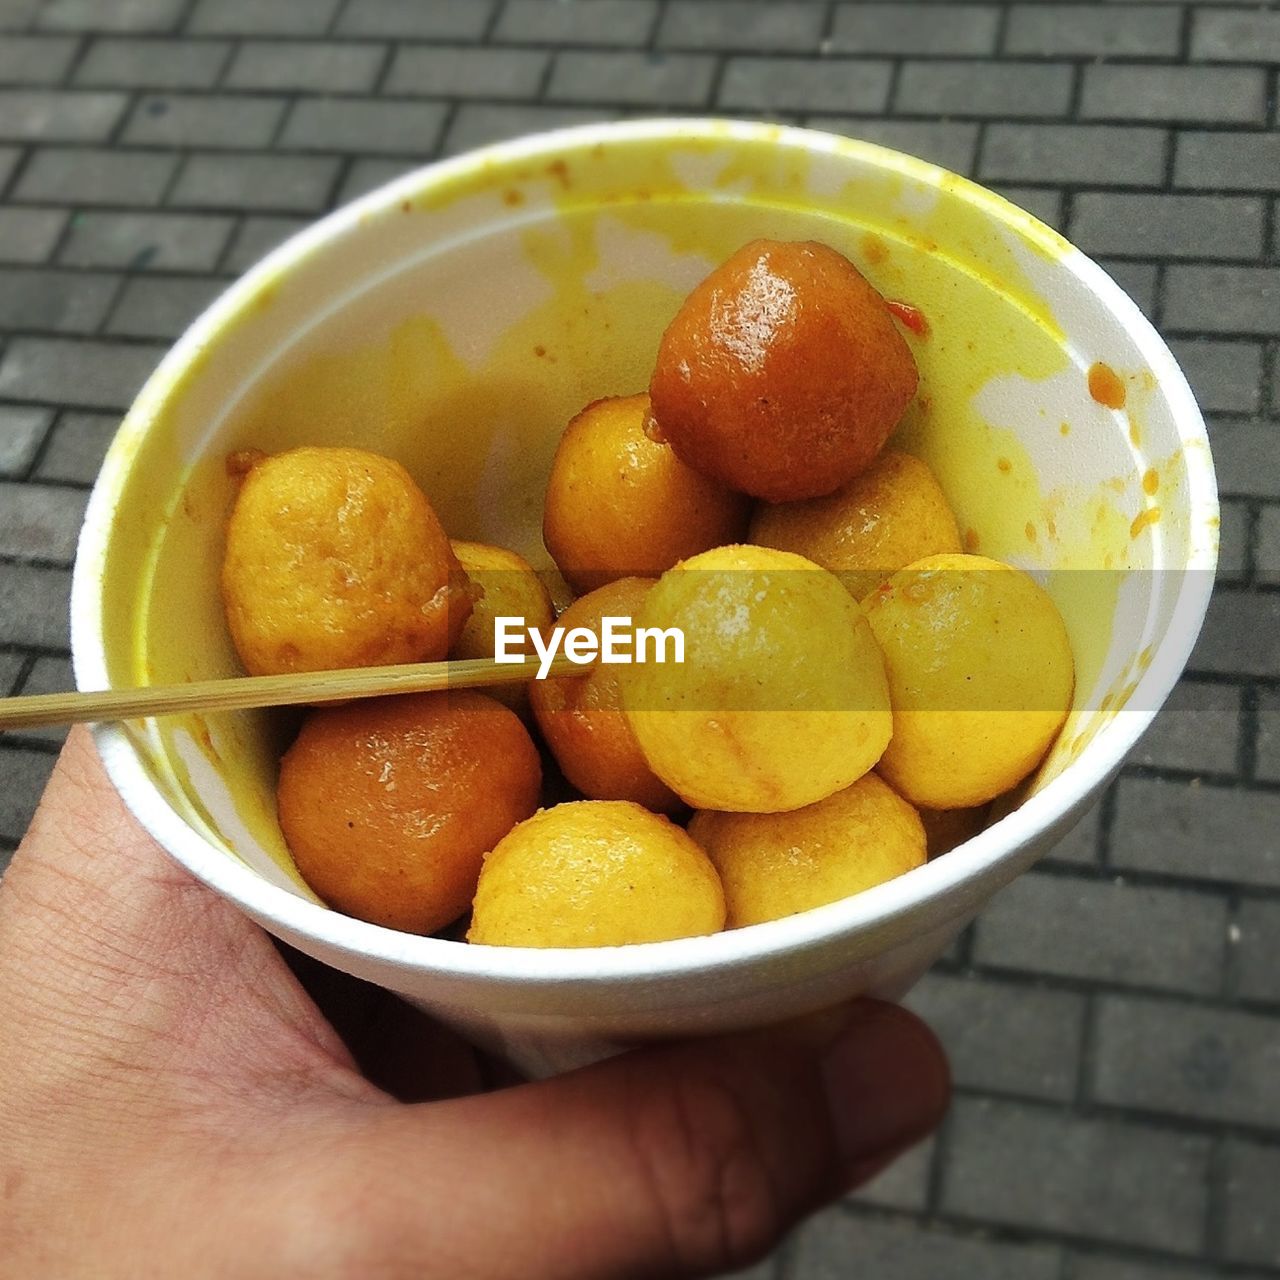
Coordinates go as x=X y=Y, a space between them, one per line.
x=173 y=1102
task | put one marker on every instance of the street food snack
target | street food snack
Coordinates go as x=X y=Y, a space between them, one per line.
x=619 y=504
x=581 y=717
x=776 y=864
x=389 y=804
x=783 y=374
x=335 y=558
x=595 y=873
x=980 y=676
x=781 y=699
x=889 y=516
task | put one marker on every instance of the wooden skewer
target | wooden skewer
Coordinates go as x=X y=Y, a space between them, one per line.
x=242 y=692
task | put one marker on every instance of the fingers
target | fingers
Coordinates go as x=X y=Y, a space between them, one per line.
x=673 y=1162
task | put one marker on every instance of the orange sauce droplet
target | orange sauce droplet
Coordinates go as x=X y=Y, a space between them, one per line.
x=511 y=196
x=910 y=317
x=971 y=540
x=1030 y=531
x=1003 y=464
x=1144 y=518
x=1105 y=386
x=1151 y=481
x=874 y=249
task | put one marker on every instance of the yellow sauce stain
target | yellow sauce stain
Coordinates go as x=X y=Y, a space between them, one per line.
x=1106 y=386
x=1135 y=432
x=1030 y=531
x=1004 y=465
x=1065 y=429
x=1151 y=481
x=874 y=249
x=1143 y=520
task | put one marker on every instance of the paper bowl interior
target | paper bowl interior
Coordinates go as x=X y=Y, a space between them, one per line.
x=457 y=319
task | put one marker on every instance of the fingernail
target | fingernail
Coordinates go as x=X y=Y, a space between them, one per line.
x=887 y=1084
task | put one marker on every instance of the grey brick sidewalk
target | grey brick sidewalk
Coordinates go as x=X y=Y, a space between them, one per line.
x=1114 y=1019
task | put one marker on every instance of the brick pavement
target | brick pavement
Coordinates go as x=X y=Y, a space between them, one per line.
x=1115 y=1017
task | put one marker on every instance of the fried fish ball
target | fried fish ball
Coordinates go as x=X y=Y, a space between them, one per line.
x=891 y=515
x=782 y=375
x=781 y=699
x=595 y=873
x=389 y=804
x=619 y=504
x=980 y=676
x=508 y=587
x=581 y=717
x=776 y=864
x=334 y=558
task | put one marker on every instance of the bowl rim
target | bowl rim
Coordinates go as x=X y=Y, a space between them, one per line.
x=915 y=892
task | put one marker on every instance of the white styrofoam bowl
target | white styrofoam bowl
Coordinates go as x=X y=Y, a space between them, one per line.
x=455 y=319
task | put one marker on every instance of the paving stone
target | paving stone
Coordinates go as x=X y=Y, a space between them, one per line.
x=422 y=71
x=1098 y=1267
x=1204 y=832
x=154 y=307
x=1233 y=541
x=1246 y=457
x=48 y=675
x=95 y=375
x=730 y=26
x=477 y=124
x=633 y=79
x=77 y=446
x=1137 y=279
x=1080 y=847
x=984 y=89
x=40 y=522
x=925 y=29
x=1048 y=1170
x=204 y=120
x=833 y=1246
x=29 y=235
x=344 y=124
x=1170 y=226
x=1106 y=931
x=904 y=1184
x=280 y=65
x=35 y=59
x=367 y=175
x=25 y=773
x=411 y=19
x=118 y=15
x=1139 y=92
x=254 y=18
x=146 y=241
x=1258 y=949
x=1082 y=30
x=58 y=115
x=153 y=64
x=1040 y=202
x=1268 y=547
x=1197 y=730
x=597 y=22
x=10 y=665
x=22 y=430
x=76 y=175
x=1221 y=159
x=1236 y=36
x=8 y=162
x=1076 y=153
x=246 y=181
x=1241 y=636
x=17 y=15
x=1187 y=1060
x=1222 y=299
x=949 y=143
x=1004 y=1037
x=793 y=84
x=1252 y=1226
x=257 y=236
x=33 y=610
x=51 y=301
x=1226 y=376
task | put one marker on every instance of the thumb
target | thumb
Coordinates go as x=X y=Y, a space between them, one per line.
x=668 y=1162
